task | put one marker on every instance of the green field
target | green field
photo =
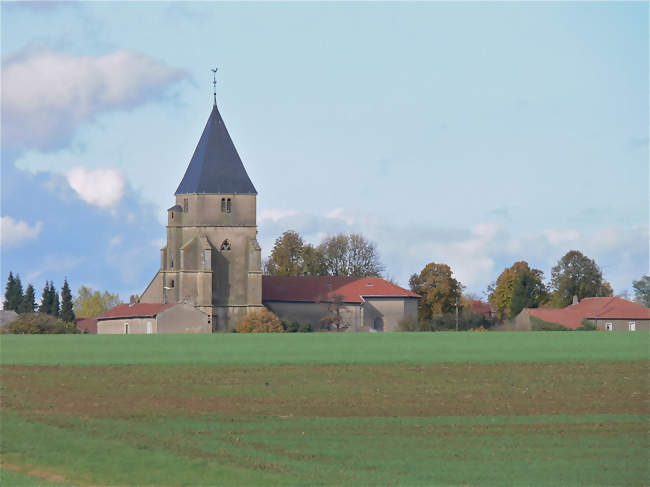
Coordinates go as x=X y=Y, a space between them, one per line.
x=511 y=409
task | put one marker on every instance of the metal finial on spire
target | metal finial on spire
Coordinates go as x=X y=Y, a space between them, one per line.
x=214 y=84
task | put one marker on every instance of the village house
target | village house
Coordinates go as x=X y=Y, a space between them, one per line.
x=610 y=314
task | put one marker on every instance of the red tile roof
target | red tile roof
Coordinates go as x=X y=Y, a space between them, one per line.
x=87 y=324
x=592 y=308
x=310 y=289
x=481 y=307
x=125 y=310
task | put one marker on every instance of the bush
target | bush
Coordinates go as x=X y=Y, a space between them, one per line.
x=296 y=327
x=260 y=321
x=586 y=325
x=40 y=323
x=540 y=325
x=408 y=323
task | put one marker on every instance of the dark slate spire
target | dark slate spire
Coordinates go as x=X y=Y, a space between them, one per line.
x=215 y=167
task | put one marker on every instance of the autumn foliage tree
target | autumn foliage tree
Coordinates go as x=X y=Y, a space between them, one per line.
x=517 y=287
x=260 y=321
x=439 y=290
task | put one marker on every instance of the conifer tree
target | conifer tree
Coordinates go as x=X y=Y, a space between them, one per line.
x=67 y=311
x=56 y=309
x=28 y=304
x=46 y=300
x=18 y=294
x=10 y=291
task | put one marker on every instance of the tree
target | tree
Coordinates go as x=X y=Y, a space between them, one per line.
x=47 y=299
x=339 y=255
x=439 y=290
x=350 y=255
x=56 y=308
x=67 y=311
x=642 y=291
x=40 y=323
x=530 y=294
x=528 y=291
x=287 y=256
x=333 y=317
x=28 y=304
x=89 y=303
x=577 y=275
x=13 y=293
x=260 y=321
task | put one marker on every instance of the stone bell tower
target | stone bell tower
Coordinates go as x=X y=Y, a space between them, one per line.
x=212 y=258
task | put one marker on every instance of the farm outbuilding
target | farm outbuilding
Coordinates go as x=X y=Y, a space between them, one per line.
x=150 y=318
x=364 y=303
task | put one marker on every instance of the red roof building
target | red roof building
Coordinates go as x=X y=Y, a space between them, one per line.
x=87 y=325
x=368 y=303
x=142 y=310
x=607 y=313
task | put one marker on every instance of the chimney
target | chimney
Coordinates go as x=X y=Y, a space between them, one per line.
x=133 y=301
x=575 y=299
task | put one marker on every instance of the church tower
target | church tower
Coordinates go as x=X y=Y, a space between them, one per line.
x=212 y=258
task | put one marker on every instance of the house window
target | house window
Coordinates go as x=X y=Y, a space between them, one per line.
x=225 y=245
x=228 y=205
x=149 y=328
x=609 y=326
x=223 y=205
x=631 y=326
x=185 y=205
x=126 y=328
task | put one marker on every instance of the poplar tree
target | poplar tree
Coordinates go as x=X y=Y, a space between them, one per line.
x=28 y=305
x=67 y=311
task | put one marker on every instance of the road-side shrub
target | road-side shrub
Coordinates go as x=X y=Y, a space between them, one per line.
x=260 y=321
x=540 y=325
x=40 y=323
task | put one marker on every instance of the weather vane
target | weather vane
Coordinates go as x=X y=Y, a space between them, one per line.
x=214 y=84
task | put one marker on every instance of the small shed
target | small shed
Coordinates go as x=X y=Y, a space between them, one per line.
x=150 y=318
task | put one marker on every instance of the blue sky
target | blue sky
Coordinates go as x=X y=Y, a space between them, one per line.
x=470 y=134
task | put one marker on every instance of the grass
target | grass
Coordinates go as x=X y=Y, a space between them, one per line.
x=321 y=348
x=439 y=409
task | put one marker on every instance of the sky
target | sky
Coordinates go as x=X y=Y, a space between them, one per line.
x=471 y=134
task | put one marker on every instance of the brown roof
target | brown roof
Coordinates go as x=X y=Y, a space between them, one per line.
x=311 y=289
x=88 y=325
x=481 y=307
x=592 y=308
x=125 y=310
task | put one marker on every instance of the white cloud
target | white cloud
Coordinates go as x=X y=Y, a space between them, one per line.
x=47 y=94
x=14 y=232
x=103 y=187
x=558 y=236
x=339 y=214
x=276 y=214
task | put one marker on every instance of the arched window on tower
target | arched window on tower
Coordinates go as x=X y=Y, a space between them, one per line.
x=225 y=245
x=172 y=283
x=228 y=206
x=223 y=205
